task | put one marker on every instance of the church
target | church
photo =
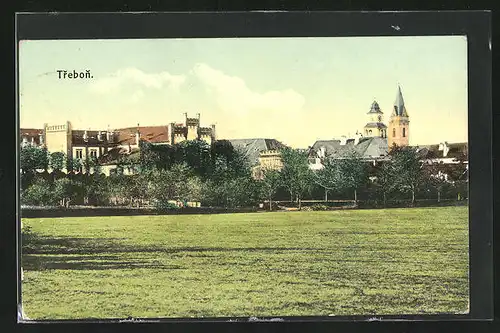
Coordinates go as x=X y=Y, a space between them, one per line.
x=374 y=143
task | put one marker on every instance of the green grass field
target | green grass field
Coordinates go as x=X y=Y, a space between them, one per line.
x=364 y=262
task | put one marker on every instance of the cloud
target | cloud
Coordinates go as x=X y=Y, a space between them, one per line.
x=233 y=95
x=117 y=80
x=137 y=96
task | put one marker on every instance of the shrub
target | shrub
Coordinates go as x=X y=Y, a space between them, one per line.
x=319 y=207
x=40 y=193
x=164 y=205
x=28 y=237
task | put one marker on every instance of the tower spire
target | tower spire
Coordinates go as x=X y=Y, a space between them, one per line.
x=399 y=104
x=399 y=123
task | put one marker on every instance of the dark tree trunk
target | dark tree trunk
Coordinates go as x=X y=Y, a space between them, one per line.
x=385 y=200
x=412 y=197
x=270 y=202
x=299 y=202
x=326 y=195
x=439 y=195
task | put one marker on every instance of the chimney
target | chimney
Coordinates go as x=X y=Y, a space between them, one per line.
x=357 y=137
x=33 y=140
x=185 y=118
x=41 y=138
x=85 y=136
x=445 y=148
x=137 y=136
x=99 y=136
x=343 y=140
x=322 y=152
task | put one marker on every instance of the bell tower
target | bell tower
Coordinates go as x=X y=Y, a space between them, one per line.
x=399 y=123
x=375 y=125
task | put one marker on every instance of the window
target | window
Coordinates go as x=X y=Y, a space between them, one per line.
x=79 y=153
x=393 y=132
x=404 y=132
x=93 y=153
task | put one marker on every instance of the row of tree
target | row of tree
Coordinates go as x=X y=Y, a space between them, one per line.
x=220 y=175
x=404 y=173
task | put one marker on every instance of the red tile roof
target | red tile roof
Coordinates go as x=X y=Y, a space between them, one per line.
x=31 y=134
x=30 y=131
x=92 y=138
x=153 y=134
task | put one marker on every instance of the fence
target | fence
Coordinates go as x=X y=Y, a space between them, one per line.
x=368 y=204
x=79 y=211
x=41 y=212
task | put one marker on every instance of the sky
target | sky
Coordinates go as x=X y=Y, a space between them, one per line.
x=296 y=90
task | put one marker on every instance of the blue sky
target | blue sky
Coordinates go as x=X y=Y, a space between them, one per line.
x=297 y=90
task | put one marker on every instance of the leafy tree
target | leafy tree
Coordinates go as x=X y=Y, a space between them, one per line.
x=65 y=190
x=178 y=183
x=196 y=155
x=329 y=178
x=239 y=191
x=384 y=181
x=270 y=184
x=296 y=175
x=33 y=158
x=229 y=166
x=353 y=172
x=39 y=193
x=57 y=160
x=156 y=156
x=74 y=164
x=94 y=188
x=116 y=186
x=407 y=170
x=436 y=178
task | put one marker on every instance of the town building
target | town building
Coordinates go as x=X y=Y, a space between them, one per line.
x=374 y=144
x=262 y=154
x=109 y=146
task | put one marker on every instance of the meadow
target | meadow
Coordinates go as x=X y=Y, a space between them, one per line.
x=351 y=262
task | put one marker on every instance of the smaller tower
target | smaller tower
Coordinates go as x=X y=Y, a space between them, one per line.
x=375 y=126
x=192 y=125
x=137 y=135
x=399 y=123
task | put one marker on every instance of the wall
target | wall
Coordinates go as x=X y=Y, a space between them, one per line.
x=398 y=123
x=58 y=138
x=192 y=133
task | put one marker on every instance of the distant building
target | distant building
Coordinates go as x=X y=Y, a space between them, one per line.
x=191 y=130
x=375 y=127
x=399 y=124
x=374 y=144
x=110 y=145
x=262 y=154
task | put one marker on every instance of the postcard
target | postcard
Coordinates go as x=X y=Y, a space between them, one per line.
x=244 y=177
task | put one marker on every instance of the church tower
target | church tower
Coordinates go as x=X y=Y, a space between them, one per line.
x=399 y=133
x=375 y=125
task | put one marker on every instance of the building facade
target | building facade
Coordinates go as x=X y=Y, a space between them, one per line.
x=377 y=139
x=191 y=130
x=107 y=146
x=399 y=124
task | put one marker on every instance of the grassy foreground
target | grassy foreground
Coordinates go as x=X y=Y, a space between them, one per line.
x=398 y=261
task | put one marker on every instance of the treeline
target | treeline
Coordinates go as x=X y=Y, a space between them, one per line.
x=191 y=171
x=219 y=175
